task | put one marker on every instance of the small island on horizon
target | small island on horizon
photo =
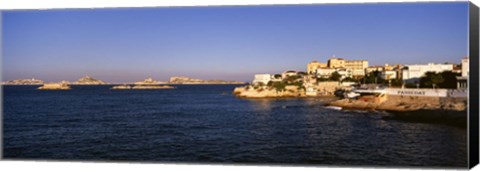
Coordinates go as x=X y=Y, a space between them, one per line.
x=88 y=80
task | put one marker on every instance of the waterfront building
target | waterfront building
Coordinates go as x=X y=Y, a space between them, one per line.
x=392 y=67
x=325 y=72
x=351 y=68
x=370 y=69
x=389 y=74
x=336 y=62
x=344 y=72
x=357 y=73
x=457 y=69
x=262 y=78
x=462 y=81
x=356 y=64
x=412 y=73
x=465 y=67
x=314 y=65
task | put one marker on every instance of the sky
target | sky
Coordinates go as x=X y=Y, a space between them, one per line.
x=225 y=42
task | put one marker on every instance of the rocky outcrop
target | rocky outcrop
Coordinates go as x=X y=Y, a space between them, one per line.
x=403 y=103
x=122 y=87
x=149 y=81
x=145 y=87
x=55 y=86
x=87 y=80
x=141 y=87
x=268 y=92
x=187 y=80
x=32 y=81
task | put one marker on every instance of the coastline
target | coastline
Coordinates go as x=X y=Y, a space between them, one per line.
x=446 y=111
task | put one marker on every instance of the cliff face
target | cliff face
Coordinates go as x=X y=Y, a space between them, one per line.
x=187 y=80
x=87 y=80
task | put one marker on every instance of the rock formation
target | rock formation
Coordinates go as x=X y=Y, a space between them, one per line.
x=403 y=103
x=148 y=81
x=187 y=80
x=87 y=80
x=55 y=86
x=32 y=81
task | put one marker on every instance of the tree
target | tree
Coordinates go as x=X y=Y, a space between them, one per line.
x=349 y=79
x=270 y=83
x=302 y=73
x=277 y=76
x=335 y=76
x=374 y=77
x=396 y=82
x=291 y=79
x=321 y=79
x=279 y=86
x=449 y=80
x=431 y=79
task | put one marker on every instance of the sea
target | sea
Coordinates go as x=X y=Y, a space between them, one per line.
x=208 y=124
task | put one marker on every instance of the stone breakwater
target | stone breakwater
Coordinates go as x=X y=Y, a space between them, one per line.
x=402 y=103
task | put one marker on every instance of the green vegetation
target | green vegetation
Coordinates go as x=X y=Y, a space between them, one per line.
x=335 y=76
x=396 y=82
x=446 y=79
x=349 y=79
x=373 y=78
x=277 y=76
x=279 y=86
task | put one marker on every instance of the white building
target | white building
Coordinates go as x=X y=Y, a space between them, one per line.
x=344 y=72
x=289 y=74
x=325 y=72
x=389 y=75
x=465 y=67
x=358 y=72
x=262 y=78
x=411 y=73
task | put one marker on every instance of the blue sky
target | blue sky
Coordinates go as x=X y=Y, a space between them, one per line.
x=230 y=43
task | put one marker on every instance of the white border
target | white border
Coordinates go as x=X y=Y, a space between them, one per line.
x=49 y=4
x=56 y=4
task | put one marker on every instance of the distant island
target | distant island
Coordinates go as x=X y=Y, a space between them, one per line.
x=147 y=84
x=87 y=80
x=149 y=81
x=63 y=85
x=32 y=81
x=188 y=80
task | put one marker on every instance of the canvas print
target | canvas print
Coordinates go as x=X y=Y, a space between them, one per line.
x=376 y=84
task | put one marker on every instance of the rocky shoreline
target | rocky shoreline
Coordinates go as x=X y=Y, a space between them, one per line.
x=54 y=86
x=402 y=103
x=447 y=111
x=247 y=92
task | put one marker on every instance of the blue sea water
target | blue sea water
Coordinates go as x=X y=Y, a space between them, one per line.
x=206 y=123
